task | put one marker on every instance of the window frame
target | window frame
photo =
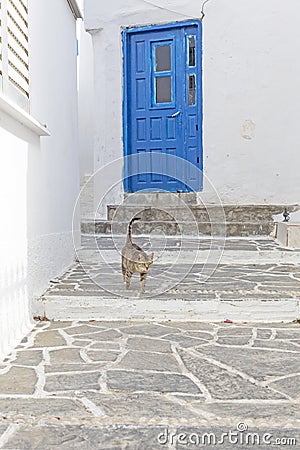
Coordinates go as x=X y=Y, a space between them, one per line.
x=162 y=74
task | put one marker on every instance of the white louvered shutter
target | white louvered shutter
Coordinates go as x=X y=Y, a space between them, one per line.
x=14 y=50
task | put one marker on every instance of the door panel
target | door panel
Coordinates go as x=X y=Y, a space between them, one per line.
x=162 y=104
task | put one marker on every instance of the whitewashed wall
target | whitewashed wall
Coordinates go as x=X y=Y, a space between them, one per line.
x=14 y=300
x=85 y=100
x=85 y=116
x=251 y=90
x=39 y=177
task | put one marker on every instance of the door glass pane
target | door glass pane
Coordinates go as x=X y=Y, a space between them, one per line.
x=192 y=51
x=162 y=58
x=163 y=90
x=192 y=89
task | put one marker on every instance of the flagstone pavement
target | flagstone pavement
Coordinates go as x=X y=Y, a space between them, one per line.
x=151 y=385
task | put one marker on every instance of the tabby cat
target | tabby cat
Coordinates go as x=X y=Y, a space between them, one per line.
x=134 y=259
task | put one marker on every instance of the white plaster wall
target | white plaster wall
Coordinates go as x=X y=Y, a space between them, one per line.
x=251 y=74
x=14 y=301
x=85 y=116
x=85 y=100
x=250 y=90
x=54 y=167
x=39 y=179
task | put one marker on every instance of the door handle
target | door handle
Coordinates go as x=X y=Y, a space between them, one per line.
x=176 y=114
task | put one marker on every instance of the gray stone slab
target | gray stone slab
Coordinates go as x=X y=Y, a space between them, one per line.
x=288 y=334
x=64 y=285
x=72 y=382
x=49 y=339
x=276 y=344
x=18 y=380
x=42 y=407
x=131 y=407
x=184 y=340
x=259 y=363
x=82 y=329
x=233 y=340
x=134 y=381
x=148 y=345
x=191 y=326
x=65 y=356
x=66 y=368
x=28 y=357
x=101 y=355
x=255 y=295
x=264 y=333
x=290 y=268
x=289 y=386
x=147 y=330
x=105 y=345
x=81 y=343
x=90 y=287
x=271 y=279
x=189 y=399
x=232 y=330
x=107 y=335
x=46 y=437
x=138 y=360
x=223 y=384
x=200 y=335
x=284 y=411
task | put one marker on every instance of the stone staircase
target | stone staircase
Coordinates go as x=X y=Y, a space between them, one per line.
x=206 y=266
x=188 y=219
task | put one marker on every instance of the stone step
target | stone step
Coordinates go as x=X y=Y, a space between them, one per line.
x=232 y=213
x=161 y=198
x=168 y=219
x=171 y=228
x=182 y=284
x=204 y=309
x=196 y=256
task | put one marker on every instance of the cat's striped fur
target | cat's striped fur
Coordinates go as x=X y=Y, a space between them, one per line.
x=134 y=259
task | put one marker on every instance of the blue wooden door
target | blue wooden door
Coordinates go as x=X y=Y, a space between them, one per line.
x=163 y=106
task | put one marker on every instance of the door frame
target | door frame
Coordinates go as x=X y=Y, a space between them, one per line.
x=126 y=90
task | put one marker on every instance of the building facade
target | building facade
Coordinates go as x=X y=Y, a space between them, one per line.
x=211 y=85
x=39 y=156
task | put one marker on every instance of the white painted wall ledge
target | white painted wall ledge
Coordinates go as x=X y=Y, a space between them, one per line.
x=22 y=117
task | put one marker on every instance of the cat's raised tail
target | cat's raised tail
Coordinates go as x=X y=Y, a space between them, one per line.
x=129 y=231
